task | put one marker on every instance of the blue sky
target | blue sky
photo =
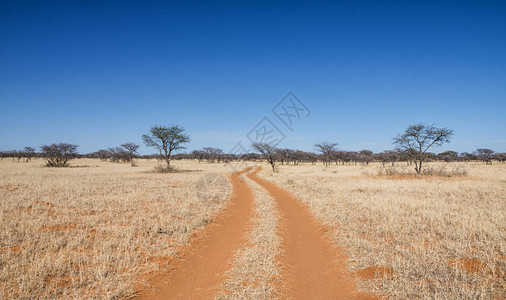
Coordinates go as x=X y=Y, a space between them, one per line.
x=99 y=74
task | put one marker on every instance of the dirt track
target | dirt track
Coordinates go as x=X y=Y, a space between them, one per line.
x=203 y=265
x=313 y=269
x=309 y=258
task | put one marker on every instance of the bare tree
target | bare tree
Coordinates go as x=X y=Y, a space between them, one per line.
x=12 y=154
x=20 y=155
x=326 y=149
x=312 y=157
x=500 y=157
x=58 y=155
x=297 y=156
x=284 y=155
x=268 y=153
x=485 y=155
x=198 y=155
x=166 y=139
x=117 y=154
x=365 y=156
x=212 y=153
x=131 y=149
x=388 y=156
x=100 y=154
x=448 y=156
x=29 y=153
x=249 y=157
x=418 y=138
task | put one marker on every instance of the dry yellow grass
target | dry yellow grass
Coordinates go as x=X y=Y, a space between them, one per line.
x=443 y=238
x=87 y=231
x=256 y=271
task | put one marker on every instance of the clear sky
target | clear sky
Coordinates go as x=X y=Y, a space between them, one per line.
x=99 y=74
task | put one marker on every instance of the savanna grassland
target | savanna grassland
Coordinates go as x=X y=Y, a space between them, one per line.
x=411 y=237
x=99 y=230
x=88 y=231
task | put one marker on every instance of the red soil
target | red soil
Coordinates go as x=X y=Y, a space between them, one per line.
x=472 y=265
x=375 y=272
x=314 y=269
x=202 y=265
x=12 y=249
x=59 y=227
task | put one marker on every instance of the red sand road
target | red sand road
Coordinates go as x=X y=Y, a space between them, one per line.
x=202 y=267
x=312 y=268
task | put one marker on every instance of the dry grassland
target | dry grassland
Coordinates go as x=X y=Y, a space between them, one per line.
x=409 y=238
x=88 y=231
x=91 y=231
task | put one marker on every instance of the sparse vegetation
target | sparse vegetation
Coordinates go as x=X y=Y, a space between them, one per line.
x=444 y=170
x=208 y=164
x=438 y=237
x=88 y=233
x=95 y=231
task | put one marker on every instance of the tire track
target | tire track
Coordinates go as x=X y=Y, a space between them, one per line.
x=203 y=265
x=255 y=273
x=308 y=256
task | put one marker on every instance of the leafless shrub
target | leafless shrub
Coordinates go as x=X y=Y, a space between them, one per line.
x=165 y=169
x=446 y=171
x=439 y=171
x=393 y=170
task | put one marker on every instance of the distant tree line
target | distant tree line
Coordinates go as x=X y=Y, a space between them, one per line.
x=412 y=147
x=284 y=156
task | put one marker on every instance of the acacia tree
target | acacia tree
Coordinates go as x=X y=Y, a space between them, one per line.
x=448 y=156
x=268 y=152
x=418 y=138
x=485 y=155
x=388 y=156
x=29 y=153
x=213 y=154
x=167 y=139
x=198 y=155
x=58 y=155
x=283 y=155
x=326 y=149
x=500 y=157
x=131 y=149
x=365 y=156
x=117 y=154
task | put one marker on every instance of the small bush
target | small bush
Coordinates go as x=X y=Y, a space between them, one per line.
x=441 y=171
x=444 y=171
x=165 y=169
